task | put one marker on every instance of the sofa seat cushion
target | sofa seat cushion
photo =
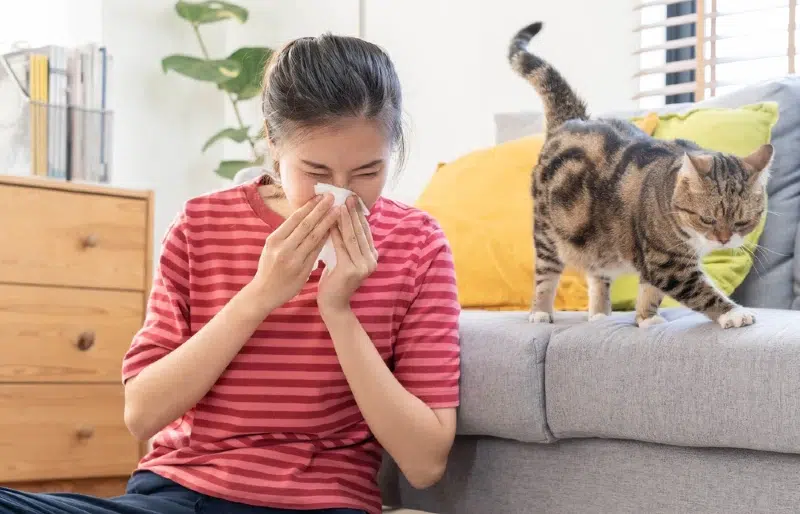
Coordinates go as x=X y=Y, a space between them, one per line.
x=502 y=375
x=685 y=382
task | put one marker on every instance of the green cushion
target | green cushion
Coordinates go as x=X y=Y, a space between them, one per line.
x=738 y=131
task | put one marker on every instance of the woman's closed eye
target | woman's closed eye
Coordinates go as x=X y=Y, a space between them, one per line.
x=316 y=174
x=373 y=169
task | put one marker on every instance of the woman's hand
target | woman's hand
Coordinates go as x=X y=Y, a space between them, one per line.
x=291 y=251
x=356 y=259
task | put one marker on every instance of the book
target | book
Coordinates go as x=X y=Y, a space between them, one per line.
x=38 y=80
x=69 y=117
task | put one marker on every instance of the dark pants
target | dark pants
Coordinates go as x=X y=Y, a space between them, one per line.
x=147 y=493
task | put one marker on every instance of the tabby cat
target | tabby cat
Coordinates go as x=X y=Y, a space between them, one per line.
x=609 y=199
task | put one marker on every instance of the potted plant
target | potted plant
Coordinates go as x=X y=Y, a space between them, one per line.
x=238 y=76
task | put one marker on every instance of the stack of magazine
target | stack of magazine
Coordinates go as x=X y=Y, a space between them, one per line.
x=55 y=113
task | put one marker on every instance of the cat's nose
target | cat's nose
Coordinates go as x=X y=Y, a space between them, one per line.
x=724 y=237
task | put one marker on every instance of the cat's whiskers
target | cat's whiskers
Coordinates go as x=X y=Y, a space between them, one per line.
x=755 y=258
x=759 y=247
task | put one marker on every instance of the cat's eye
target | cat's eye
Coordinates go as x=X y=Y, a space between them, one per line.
x=740 y=224
x=707 y=221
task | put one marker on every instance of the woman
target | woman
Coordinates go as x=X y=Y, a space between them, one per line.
x=270 y=383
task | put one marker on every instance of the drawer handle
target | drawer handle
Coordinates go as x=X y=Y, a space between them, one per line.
x=85 y=432
x=90 y=241
x=85 y=341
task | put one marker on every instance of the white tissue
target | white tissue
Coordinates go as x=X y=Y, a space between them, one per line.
x=328 y=253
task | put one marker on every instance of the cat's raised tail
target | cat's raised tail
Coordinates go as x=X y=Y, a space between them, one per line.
x=561 y=103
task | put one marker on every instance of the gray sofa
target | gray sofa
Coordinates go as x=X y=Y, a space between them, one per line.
x=608 y=418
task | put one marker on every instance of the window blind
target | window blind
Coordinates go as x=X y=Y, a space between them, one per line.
x=695 y=49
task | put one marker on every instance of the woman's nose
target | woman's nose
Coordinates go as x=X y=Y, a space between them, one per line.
x=343 y=182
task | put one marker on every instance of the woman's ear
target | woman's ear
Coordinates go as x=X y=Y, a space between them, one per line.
x=268 y=138
x=266 y=148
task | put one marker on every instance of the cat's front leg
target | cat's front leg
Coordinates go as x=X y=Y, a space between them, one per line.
x=693 y=289
x=548 y=273
x=599 y=297
x=647 y=303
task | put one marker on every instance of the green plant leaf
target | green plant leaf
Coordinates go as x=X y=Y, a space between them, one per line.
x=208 y=70
x=229 y=169
x=251 y=61
x=210 y=12
x=236 y=134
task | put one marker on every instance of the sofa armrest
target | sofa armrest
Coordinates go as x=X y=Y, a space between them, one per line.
x=502 y=374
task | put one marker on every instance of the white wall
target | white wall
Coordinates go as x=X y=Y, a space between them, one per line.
x=454 y=78
x=70 y=23
x=451 y=57
x=160 y=120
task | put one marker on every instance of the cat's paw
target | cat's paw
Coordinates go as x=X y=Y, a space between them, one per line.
x=649 y=322
x=738 y=317
x=540 y=317
x=598 y=316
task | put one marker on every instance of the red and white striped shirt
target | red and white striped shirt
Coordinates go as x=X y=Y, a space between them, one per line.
x=281 y=427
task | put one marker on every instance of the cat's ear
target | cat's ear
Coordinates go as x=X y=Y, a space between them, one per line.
x=694 y=167
x=702 y=163
x=760 y=161
x=761 y=158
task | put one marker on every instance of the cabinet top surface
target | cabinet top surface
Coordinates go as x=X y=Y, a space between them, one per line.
x=75 y=187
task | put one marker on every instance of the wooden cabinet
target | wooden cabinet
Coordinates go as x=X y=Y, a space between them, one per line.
x=75 y=270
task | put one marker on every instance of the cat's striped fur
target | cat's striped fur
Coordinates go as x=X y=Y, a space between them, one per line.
x=610 y=199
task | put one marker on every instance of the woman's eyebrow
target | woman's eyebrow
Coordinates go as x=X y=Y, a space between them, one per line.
x=315 y=165
x=320 y=166
x=368 y=165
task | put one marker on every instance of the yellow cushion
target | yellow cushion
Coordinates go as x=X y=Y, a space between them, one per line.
x=482 y=201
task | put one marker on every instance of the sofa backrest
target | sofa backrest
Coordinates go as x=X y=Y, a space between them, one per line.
x=774 y=281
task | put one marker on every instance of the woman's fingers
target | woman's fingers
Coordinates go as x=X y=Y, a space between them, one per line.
x=306 y=230
x=350 y=237
x=311 y=246
x=358 y=228
x=288 y=226
x=305 y=225
x=368 y=233
x=338 y=243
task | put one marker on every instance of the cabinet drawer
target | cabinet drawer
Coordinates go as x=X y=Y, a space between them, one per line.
x=72 y=239
x=57 y=334
x=61 y=431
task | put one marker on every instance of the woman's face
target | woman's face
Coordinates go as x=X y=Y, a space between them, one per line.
x=353 y=154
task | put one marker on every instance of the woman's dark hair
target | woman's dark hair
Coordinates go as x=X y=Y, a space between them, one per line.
x=314 y=81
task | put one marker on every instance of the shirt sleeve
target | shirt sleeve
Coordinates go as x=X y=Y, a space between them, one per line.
x=166 y=324
x=427 y=349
